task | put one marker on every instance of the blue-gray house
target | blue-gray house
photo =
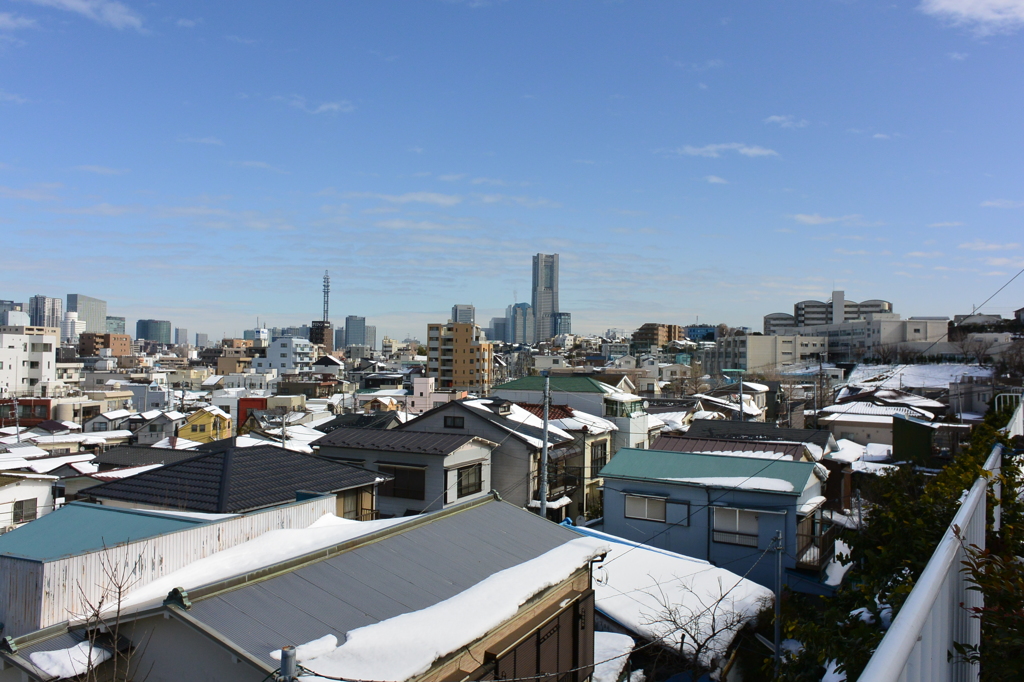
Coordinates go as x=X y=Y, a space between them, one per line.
x=724 y=509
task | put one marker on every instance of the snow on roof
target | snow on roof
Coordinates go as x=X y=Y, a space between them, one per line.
x=369 y=652
x=860 y=407
x=622 y=397
x=739 y=482
x=758 y=388
x=611 y=654
x=557 y=504
x=151 y=414
x=12 y=463
x=13 y=430
x=748 y=406
x=47 y=464
x=810 y=505
x=877 y=452
x=855 y=418
x=254 y=439
x=522 y=416
x=266 y=550
x=179 y=444
x=872 y=467
x=71 y=662
x=636 y=584
x=848 y=451
x=174 y=415
x=213 y=380
x=216 y=411
x=27 y=450
x=914 y=376
x=116 y=414
x=123 y=472
x=580 y=420
x=72 y=426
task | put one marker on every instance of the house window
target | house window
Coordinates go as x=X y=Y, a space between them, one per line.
x=471 y=480
x=409 y=483
x=156 y=428
x=735 y=526
x=24 y=510
x=598 y=456
x=99 y=426
x=647 y=508
x=454 y=422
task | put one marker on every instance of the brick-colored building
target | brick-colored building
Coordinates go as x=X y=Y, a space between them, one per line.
x=90 y=344
x=460 y=357
x=654 y=335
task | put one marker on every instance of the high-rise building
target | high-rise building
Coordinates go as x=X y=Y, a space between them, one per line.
x=545 y=294
x=464 y=313
x=321 y=333
x=561 y=323
x=202 y=340
x=520 y=325
x=115 y=325
x=654 y=335
x=154 y=330
x=90 y=344
x=15 y=318
x=8 y=306
x=355 y=331
x=460 y=357
x=371 y=336
x=45 y=311
x=90 y=310
x=834 y=311
x=71 y=328
x=180 y=336
x=339 y=337
x=499 y=329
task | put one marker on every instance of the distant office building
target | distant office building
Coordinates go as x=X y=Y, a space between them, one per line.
x=90 y=310
x=71 y=328
x=339 y=337
x=202 y=341
x=545 y=295
x=836 y=310
x=355 y=331
x=154 y=330
x=371 y=336
x=520 y=324
x=498 y=329
x=115 y=325
x=7 y=306
x=180 y=336
x=15 y=318
x=561 y=323
x=700 y=332
x=321 y=332
x=465 y=314
x=45 y=311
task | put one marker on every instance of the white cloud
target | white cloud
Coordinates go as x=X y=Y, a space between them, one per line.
x=947 y=224
x=37 y=193
x=189 y=23
x=11 y=97
x=102 y=170
x=979 y=245
x=11 y=22
x=818 y=219
x=999 y=262
x=984 y=16
x=201 y=140
x=699 y=67
x=847 y=252
x=880 y=136
x=299 y=102
x=451 y=177
x=1002 y=203
x=787 y=121
x=957 y=56
x=924 y=254
x=107 y=12
x=412 y=197
x=488 y=181
x=528 y=202
x=715 y=180
x=715 y=150
x=105 y=210
x=423 y=225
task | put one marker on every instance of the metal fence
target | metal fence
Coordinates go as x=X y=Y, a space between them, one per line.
x=916 y=646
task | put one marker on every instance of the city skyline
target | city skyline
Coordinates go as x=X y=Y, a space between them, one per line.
x=687 y=161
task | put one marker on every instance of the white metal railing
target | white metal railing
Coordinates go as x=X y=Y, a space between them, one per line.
x=936 y=613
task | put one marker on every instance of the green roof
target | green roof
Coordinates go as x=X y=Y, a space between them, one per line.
x=708 y=470
x=82 y=527
x=567 y=384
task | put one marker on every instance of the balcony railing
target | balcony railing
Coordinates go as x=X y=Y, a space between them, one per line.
x=815 y=547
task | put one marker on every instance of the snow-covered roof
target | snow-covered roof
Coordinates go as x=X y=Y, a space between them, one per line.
x=123 y=472
x=848 y=451
x=557 y=504
x=213 y=380
x=47 y=464
x=860 y=407
x=855 y=419
x=116 y=414
x=581 y=420
x=914 y=376
x=179 y=444
x=522 y=416
x=637 y=584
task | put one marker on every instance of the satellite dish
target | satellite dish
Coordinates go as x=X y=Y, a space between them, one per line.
x=646 y=404
x=580 y=520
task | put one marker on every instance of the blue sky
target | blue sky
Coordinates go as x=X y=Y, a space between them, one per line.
x=206 y=162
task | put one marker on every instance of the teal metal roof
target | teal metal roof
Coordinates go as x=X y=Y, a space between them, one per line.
x=81 y=527
x=707 y=470
x=558 y=383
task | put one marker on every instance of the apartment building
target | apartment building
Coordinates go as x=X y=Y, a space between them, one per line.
x=763 y=353
x=287 y=355
x=654 y=335
x=90 y=344
x=836 y=310
x=28 y=360
x=461 y=358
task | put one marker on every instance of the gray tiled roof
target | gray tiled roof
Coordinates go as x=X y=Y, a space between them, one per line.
x=395 y=441
x=235 y=480
x=710 y=428
x=140 y=455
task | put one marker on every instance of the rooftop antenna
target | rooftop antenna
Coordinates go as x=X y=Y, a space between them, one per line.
x=327 y=295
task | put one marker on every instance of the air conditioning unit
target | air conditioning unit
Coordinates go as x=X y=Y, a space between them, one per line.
x=6 y=529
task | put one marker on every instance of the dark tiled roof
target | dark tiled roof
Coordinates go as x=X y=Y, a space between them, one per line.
x=710 y=428
x=235 y=480
x=140 y=455
x=375 y=420
x=682 y=443
x=395 y=441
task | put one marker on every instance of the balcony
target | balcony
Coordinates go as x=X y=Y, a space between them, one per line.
x=815 y=544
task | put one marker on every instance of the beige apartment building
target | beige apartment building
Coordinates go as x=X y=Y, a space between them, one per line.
x=459 y=357
x=764 y=353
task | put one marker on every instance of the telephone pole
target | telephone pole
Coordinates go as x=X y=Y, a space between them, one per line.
x=544 y=450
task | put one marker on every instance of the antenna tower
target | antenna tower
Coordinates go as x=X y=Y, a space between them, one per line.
x=327 y=296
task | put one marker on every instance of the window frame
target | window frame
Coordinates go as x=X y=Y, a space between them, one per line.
x=460 y=480
x=398 y=486
x=21 y=515
x=735 y=535
x=647 y=507
x=454 y=422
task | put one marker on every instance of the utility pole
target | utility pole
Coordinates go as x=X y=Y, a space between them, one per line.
x=778 y=602
x=544 y=450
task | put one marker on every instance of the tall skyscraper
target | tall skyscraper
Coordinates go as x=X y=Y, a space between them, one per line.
x=520 y=327
x=561 y=323
x=355 y=330
x=371 y=336
x=90 y=310
x=45 y=311
x=339 y=338
x=154 y=330
x=545 y=294
x=115 y=325
x=180 y=336
x=465 y=314
x=202 y=340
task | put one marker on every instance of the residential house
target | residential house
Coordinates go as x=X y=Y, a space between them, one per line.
x=860 y=428
x=819 y=443
x=207 y=424
x=636 y=428
x=515 y=462
x=107 y=421
x=24 y=497
x=723 y=509
x=399 y=585
x=156 y=425
x=234 y=480
x=682 y=442
x=430 y=471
